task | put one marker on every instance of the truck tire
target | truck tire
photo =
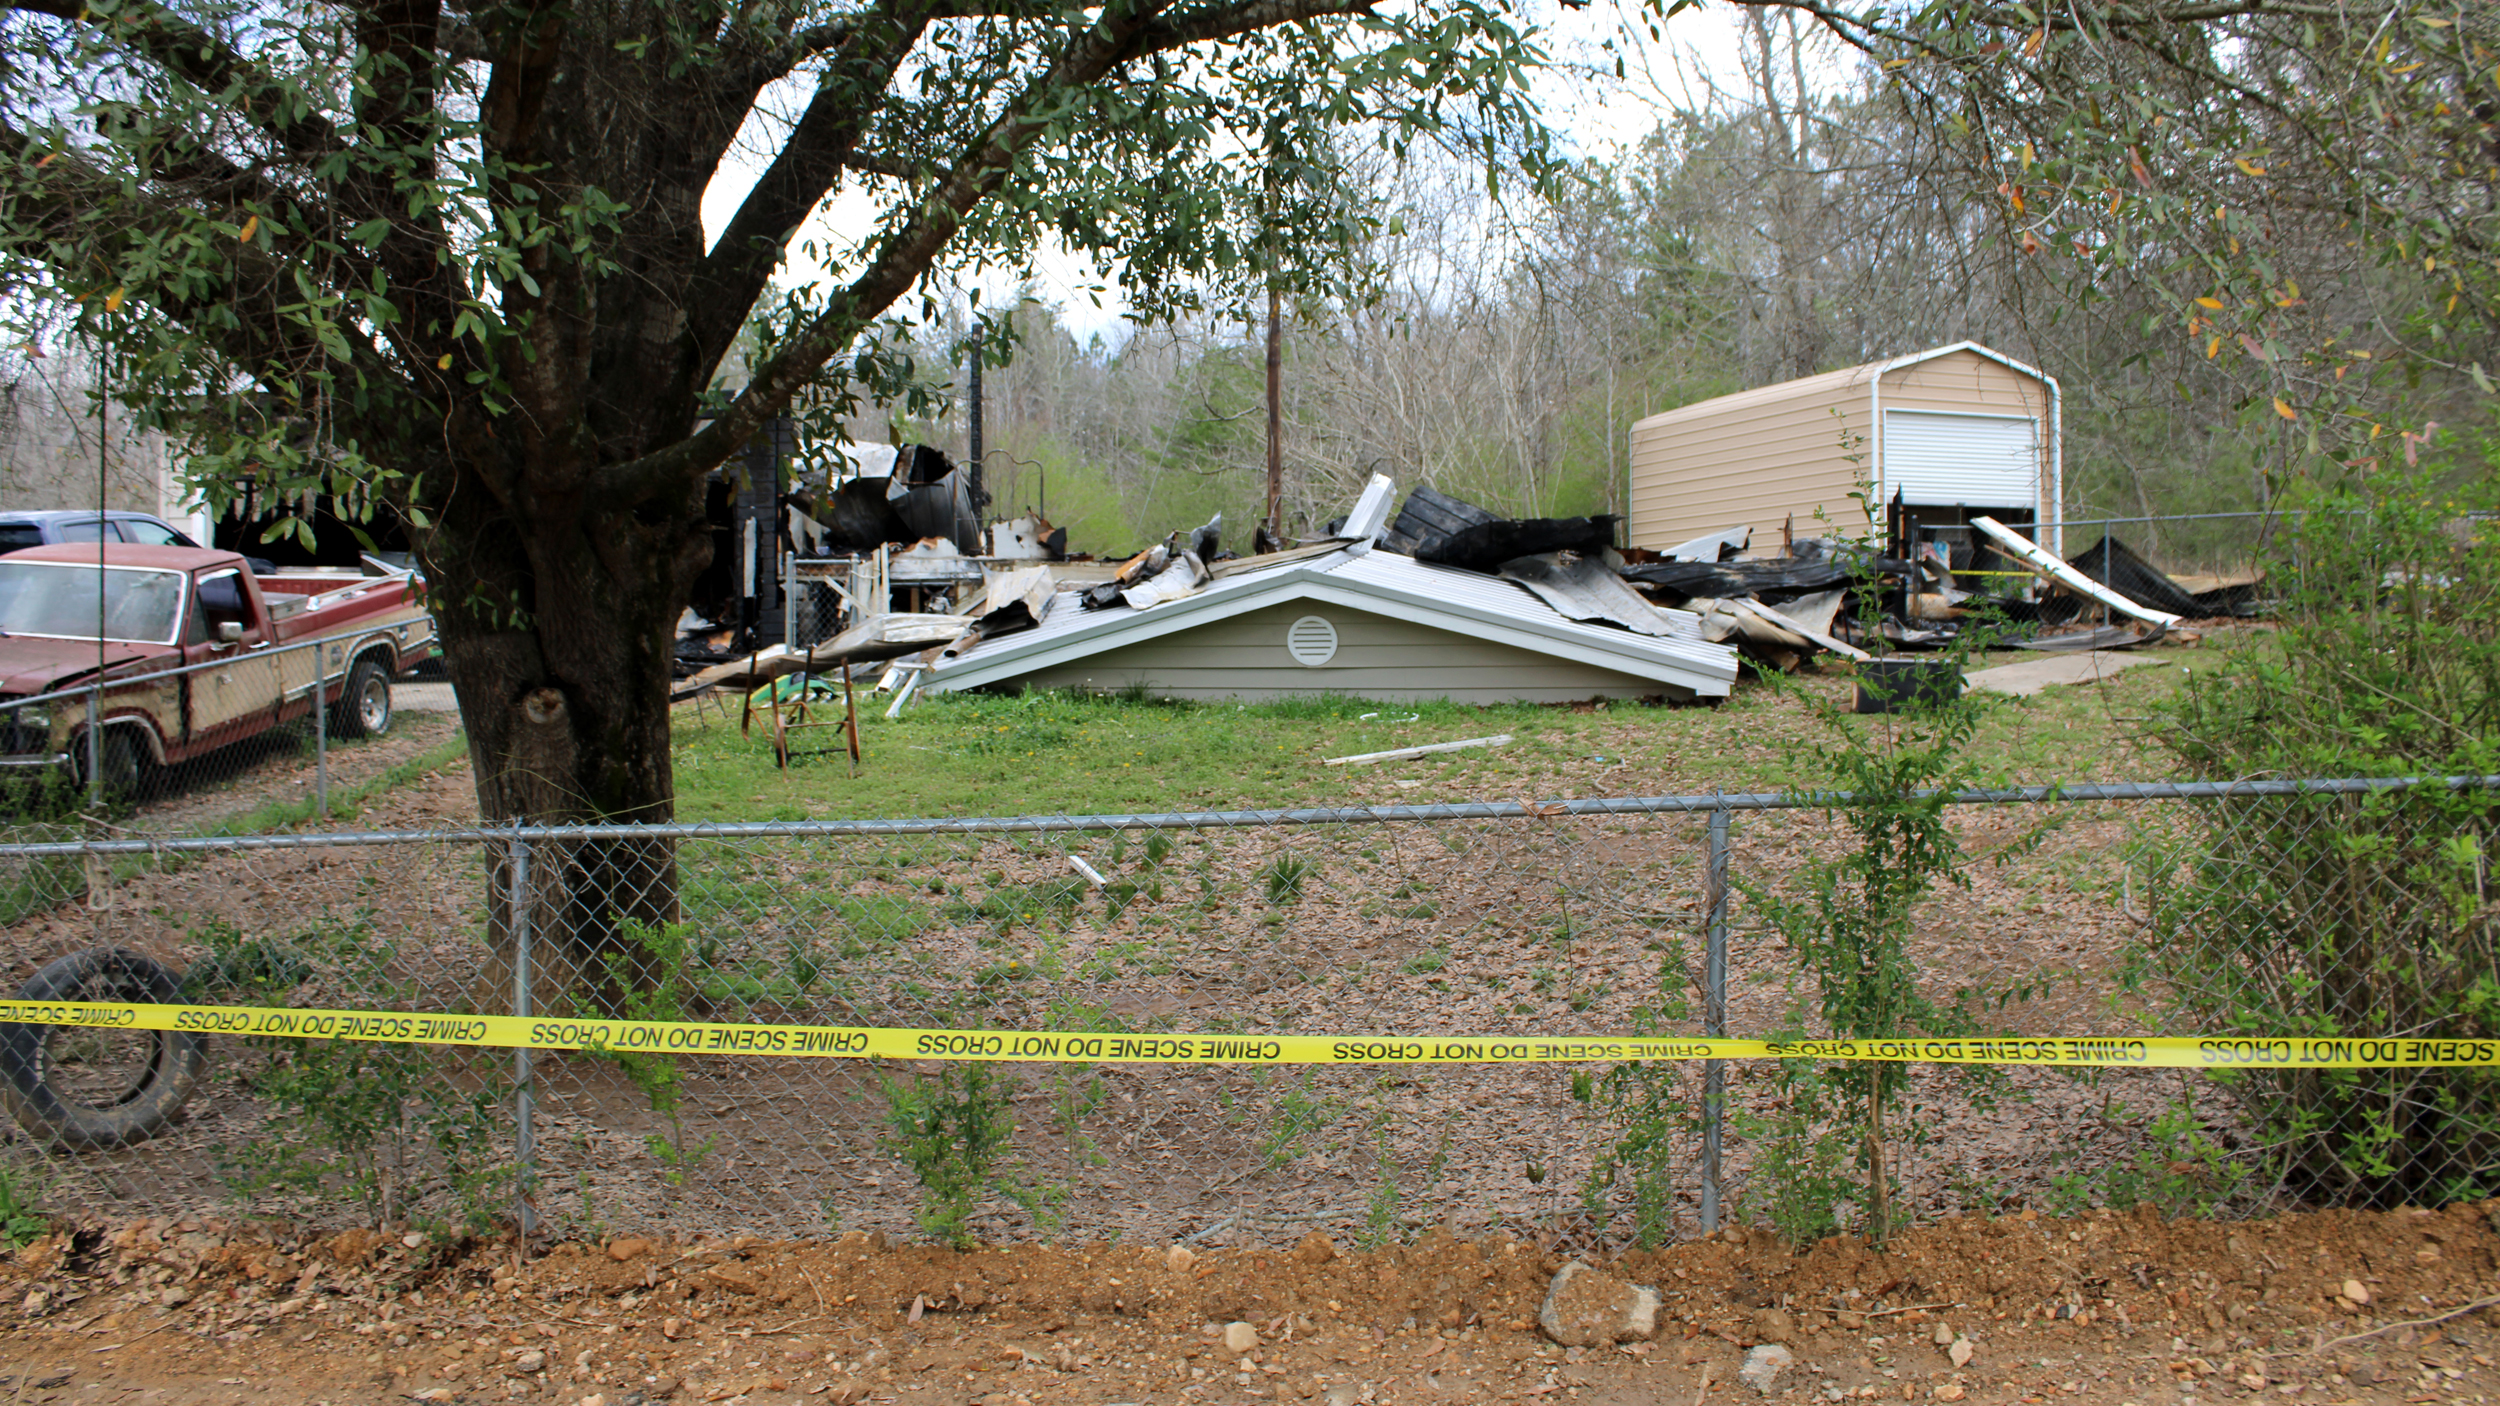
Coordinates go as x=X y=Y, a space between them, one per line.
x=88 y=1087
x=364 y=709
x=121 y=763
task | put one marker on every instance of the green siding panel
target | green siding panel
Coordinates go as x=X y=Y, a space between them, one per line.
x=1377 y=657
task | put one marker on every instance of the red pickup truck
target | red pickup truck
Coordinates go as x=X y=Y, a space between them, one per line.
x=162 y=608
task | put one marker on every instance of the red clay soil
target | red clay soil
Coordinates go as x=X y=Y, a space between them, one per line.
x=2107 y=1308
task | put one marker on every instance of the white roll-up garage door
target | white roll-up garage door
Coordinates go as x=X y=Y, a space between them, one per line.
x=1982 y=460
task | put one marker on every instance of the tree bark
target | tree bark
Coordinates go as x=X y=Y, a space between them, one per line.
x=559 y=656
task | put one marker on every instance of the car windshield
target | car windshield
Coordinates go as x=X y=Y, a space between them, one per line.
x=59 y=599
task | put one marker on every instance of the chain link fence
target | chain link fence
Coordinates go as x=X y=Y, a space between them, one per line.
x=2354 y=908
x=820 y=593
x=2199 y=550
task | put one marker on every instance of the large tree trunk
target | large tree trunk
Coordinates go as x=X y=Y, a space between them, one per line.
x=558 y=615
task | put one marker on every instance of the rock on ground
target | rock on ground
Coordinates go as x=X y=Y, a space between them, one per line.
x=1763 y=1366
x=1585 y=1308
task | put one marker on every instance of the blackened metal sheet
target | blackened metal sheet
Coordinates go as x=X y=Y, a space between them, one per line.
x=1485 y=546
x=1769 y=581
x=1429 y=516
x=2115 y=565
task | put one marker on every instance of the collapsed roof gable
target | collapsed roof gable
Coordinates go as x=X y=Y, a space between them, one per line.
x=1354 y=577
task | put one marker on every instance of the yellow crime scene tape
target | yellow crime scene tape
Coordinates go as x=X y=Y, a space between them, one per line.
x=875 y=1042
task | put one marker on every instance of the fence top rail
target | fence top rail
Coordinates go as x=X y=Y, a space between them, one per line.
x=1703 y=803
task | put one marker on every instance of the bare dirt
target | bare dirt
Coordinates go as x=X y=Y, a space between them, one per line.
x=2103 y=1309
x=280 y=767
x=1513 y=928
x=1521 y=927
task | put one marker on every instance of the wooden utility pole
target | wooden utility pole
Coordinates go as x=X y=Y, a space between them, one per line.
x=972 y=438
x=1275 y=414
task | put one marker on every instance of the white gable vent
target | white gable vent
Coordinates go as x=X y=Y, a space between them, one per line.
x=1311 y=641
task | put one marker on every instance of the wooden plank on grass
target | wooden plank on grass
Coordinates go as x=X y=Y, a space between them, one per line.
x=1367 y=758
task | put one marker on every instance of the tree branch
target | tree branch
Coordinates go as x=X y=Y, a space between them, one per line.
x=1213 y=22
x=869 y=163
x=742 y=260
x=527 y=50
x=200 y=58
x=224 y=312
x=402 y=98
x=1123 y=30
x=1860 y=29
x=816 y=41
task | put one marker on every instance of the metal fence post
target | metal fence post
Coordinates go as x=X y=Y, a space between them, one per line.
x=524 y=1136
x=790 y=602
x=321 y=735
x=95 y=754
x=1714 y=1016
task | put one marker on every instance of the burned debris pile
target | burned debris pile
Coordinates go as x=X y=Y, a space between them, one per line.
x=920 y=603
x=912 y=510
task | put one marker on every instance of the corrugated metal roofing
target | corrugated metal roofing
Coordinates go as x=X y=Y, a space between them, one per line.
x=1381 y=581
x=1425 y=583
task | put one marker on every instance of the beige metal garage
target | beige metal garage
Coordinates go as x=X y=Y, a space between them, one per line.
x=1941 y=436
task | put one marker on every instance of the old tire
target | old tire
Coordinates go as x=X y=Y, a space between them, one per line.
x=121 y=764
x=91 y=1086
x=364 y=708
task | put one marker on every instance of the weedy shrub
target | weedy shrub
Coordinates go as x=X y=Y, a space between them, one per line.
x=1384 y=1218
x=1298 y=1118
x=387 y=1125
x=1850 y=917
x=2349 y=917
x=1284 y=878
x=21 y=1222
x=1808 y=1163
x=2183 y=1168
x=1643 y=1102
x=675 y=952
x=956 y=1131
x=405 y=1130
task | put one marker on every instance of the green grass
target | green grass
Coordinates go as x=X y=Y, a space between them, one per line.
x=1049 y=753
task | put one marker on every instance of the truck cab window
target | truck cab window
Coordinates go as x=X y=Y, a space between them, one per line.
x=221 y=600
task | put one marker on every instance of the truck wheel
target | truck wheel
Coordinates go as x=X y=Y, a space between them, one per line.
x=85 y=1086
x=364 y=710
x=121 y=764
